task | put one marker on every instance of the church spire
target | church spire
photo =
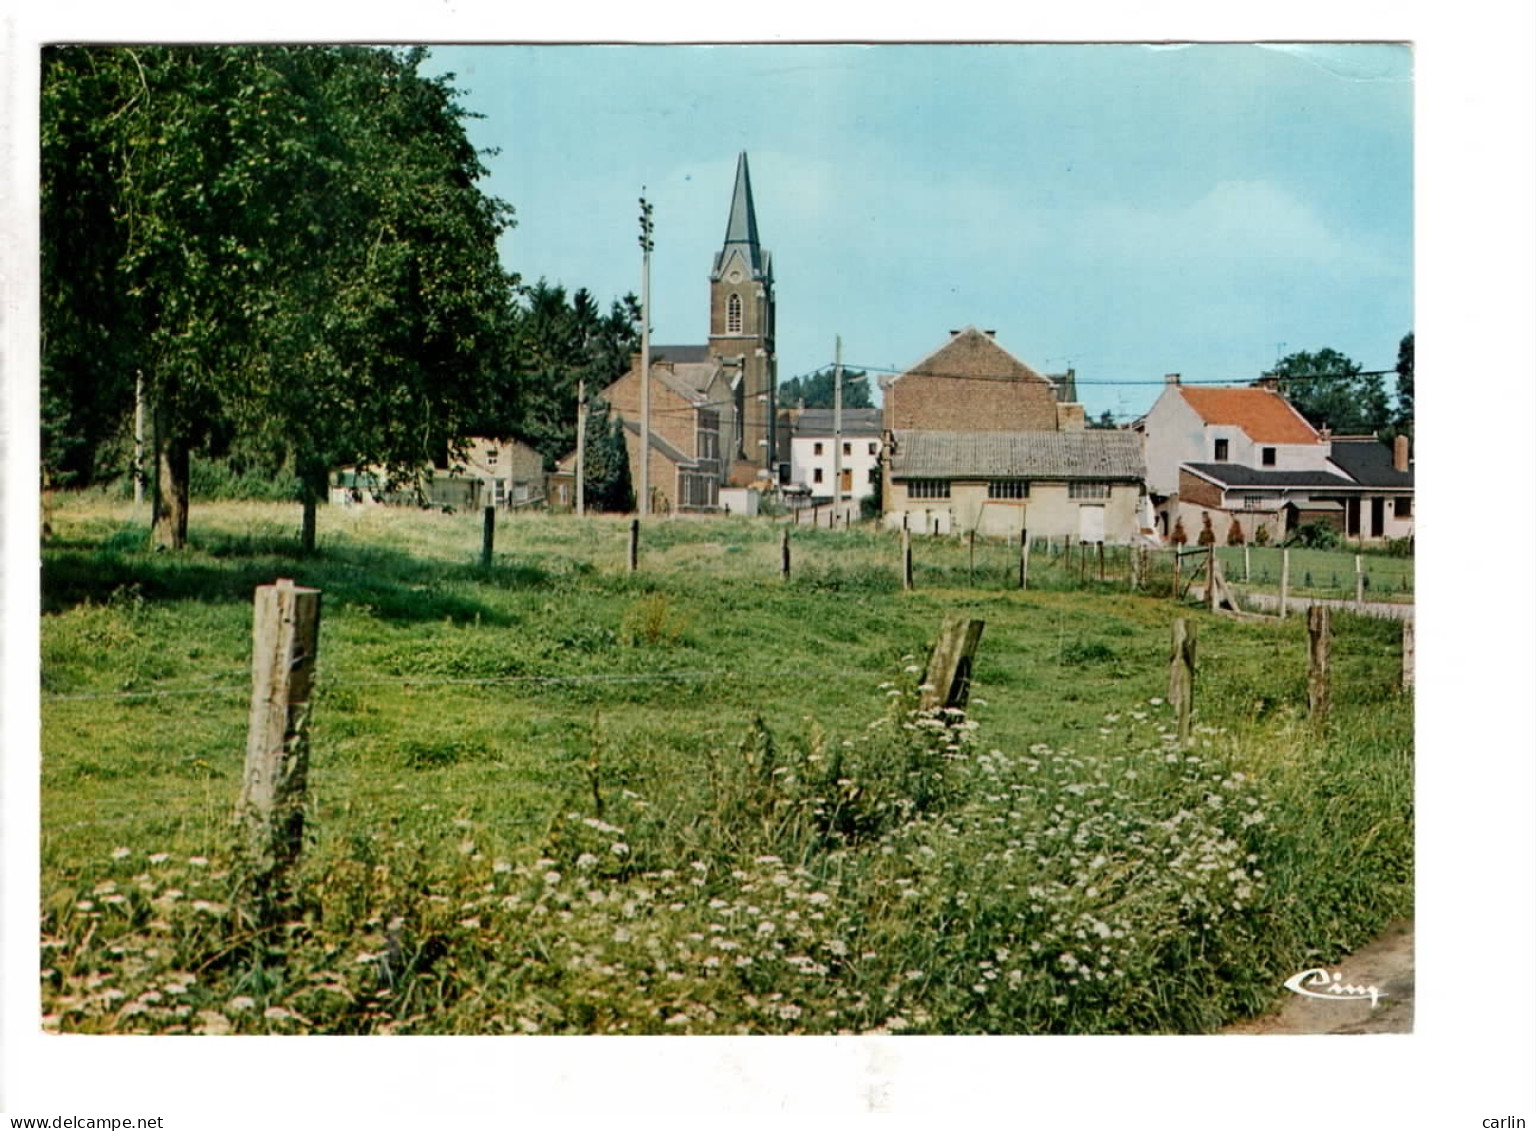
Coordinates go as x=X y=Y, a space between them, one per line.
x=741 y=227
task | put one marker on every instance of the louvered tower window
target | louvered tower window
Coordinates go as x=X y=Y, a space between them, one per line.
x=733 y=315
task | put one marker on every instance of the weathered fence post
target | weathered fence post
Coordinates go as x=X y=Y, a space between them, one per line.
x=488 y=538
x=947 y=682
x=1285 y=580
x=1359 y=582
x=634 y=544
x=1181 y=674
x=1101 y=561
x=1176 y=553
x=973 y=558
x=1024 y=558
x=1247 y=566
x=1317 y=666
x=906 y=558
x=784 y=556
x=1408 y=646
x=286 y=633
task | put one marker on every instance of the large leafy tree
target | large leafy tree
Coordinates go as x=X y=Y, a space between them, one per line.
x=288 y=242
x=818 y=390
x=1331 y=390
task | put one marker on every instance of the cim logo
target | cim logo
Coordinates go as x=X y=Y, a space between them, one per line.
x=1318 y=983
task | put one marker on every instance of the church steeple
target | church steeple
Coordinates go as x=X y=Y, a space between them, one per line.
x=741 y=229
x=741 y=327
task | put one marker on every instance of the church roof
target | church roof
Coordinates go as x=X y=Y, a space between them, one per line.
x=741 y=228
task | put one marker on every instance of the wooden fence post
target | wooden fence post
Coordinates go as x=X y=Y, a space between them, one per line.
x=1176 y=553
x=906 y=558
x=784 y=556
x=1359 y=582
x=1181 y=674
x=634 y=544
x=973 y=558
x=488 y=538
x=286 y=633
x=1408 y=647
x=1024 y=559
x=1317 y=666
x=1247 y=566
x=1285 y=580
x=947 y=682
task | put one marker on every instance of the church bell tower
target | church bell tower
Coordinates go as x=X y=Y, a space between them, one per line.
x=741 y=316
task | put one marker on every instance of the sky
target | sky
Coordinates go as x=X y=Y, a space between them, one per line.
x=1124 y=210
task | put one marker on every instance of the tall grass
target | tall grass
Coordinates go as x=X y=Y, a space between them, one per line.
x=555 y=797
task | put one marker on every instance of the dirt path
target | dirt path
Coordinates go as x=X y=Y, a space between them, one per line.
x=1386 y=963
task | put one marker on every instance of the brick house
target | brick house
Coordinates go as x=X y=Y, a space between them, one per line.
x=1246 y=456
x=1083 y=485
x=972 y=384
x=712 y=406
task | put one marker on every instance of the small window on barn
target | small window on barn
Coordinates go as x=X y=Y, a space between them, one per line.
x=1268 y=457
x=1402 y=506
x=733 y=315
x=928 y=489
x=1221 y=451
x=1008 y=489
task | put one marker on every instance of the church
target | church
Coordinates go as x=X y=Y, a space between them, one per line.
x=713 y=408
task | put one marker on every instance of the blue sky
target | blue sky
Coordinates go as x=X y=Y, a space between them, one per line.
x=1126 y=210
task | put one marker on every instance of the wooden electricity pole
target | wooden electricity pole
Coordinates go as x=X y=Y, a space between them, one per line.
x=581 y=448
x=647 y=245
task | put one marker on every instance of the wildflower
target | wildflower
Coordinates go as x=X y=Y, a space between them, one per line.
x=159 y=857
x=765 y=927
x=551 y=878
x=619 y=848
x=470 y=924
x=198 y=861
x=586 y=861
x=789 y=1011
x=121 y=853
x=466 y=847
x=85 y=905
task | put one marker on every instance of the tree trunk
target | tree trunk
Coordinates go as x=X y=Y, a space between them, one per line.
x=173 y=468
x=312 y=485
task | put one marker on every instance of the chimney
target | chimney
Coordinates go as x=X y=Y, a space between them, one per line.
x=1325 y=433
x=1171 y=379
x=990 y=333
x=1400 y=453
x=954 y=333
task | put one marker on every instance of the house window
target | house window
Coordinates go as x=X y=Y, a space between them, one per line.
x=1267 y=457
x=1221 y=451
x=733 y=315
x=816 y=475
x=871 y=449
x=707 y=435
x=818 y=447
x=1008 y=489
x=1402 y=506
x=928 y=489
x=1081 y=490
x=490 y=457
x=847 y=449
x=1251 y=502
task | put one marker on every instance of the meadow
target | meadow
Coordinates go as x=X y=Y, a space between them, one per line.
x=551 y=796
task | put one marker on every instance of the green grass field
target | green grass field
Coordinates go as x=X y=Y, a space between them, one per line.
x=748 y=828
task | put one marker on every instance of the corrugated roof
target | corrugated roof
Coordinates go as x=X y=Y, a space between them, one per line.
x=1263 y=414
x=1089 y=454
x=1369 y=462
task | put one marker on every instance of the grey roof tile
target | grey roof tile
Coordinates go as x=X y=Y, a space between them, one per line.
x=1088 y=454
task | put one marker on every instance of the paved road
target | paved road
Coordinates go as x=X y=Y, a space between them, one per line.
x=1270 y=603
x=1386 y=963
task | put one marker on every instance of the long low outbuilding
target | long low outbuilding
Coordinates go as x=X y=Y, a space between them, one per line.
x=1085 y=485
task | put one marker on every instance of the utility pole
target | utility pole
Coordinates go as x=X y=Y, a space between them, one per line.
x=647 y=244
x=837 y=430
x=581 y=449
